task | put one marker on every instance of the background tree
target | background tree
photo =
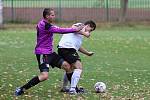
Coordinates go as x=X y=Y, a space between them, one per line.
x=1 y=14
x=123 y=10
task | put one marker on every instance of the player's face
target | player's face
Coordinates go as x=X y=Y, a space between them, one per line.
x=88 y=28
x=51 y=17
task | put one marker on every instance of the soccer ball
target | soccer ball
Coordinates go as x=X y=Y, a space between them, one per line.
x=100 y=87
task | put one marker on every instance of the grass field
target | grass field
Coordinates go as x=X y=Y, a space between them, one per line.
x=121 y=60
x=76 y=3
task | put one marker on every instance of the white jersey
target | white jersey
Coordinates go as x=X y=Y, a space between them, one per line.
x=71 y=40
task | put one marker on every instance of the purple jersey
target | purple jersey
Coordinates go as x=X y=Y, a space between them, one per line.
x=45 y=33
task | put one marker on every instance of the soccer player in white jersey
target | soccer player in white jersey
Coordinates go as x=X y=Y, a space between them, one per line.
x=68 y=47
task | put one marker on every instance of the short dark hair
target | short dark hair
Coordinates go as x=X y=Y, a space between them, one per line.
x=47 y=11
x=91 y=23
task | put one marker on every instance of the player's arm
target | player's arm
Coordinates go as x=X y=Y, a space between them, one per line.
x=86 y=52
x=56 y=29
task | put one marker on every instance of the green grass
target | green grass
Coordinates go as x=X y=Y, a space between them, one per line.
x=76 y=3
x=121 y=60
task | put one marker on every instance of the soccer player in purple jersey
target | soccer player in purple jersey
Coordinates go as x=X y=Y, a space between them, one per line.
x=44 y=49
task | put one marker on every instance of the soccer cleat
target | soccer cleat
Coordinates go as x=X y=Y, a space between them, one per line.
x=19 y=91
x=64 y=90
x=72 y=91
x=80 y=90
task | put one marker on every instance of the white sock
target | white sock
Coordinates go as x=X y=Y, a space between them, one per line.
x=65 y=80
x=75 y=78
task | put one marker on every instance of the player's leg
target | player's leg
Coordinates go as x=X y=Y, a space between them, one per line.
x=71 y=56
x=64 y=86
x=75 y=76
x=34 y=81
x=66 y=67
x=65 y=80
x=59 y=62
x=68 y=75
x=67 y=54
x=65 y=83
x=44 y=69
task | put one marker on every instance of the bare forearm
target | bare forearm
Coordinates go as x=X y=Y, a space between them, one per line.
x=56 y=29
x=62 y=30
x=84 y=51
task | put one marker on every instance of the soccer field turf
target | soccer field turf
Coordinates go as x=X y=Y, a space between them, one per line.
x=121 y=60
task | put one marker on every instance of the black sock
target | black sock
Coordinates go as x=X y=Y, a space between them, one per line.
x=34 y=81
x=69 y=75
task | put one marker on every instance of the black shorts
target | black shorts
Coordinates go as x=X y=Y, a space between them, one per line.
x=69 y=54
x=46 y=60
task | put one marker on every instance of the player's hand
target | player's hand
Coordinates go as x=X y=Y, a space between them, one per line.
x=90 y=53
x=78 y=27
x=84 y=32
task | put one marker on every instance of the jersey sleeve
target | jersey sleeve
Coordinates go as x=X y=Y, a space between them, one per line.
x=56 y=29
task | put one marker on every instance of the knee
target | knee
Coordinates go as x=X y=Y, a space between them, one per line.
x=43 y=77
x=77 y=65
x=66 y=66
